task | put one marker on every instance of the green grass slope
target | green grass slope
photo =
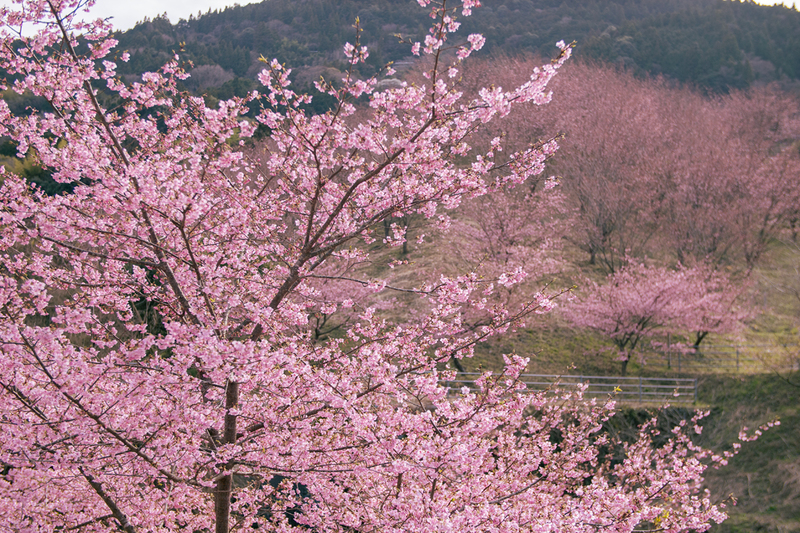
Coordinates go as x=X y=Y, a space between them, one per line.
x=765 y=476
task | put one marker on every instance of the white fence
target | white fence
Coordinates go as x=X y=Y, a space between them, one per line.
x=722 y=358
x=624 y=389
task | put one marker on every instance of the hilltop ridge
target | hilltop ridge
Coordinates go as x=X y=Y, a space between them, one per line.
x=715 y=44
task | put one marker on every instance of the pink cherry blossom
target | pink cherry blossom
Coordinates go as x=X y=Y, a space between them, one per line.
x=160 y=362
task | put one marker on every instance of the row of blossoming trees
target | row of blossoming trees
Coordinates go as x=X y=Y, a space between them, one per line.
x=673 y=195
x=157 y=368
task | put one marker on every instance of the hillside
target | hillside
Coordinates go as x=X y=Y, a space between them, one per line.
x=717 y=44
x=765 y=476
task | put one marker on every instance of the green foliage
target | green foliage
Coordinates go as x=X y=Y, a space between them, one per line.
x=236 y=87
x=710 y=43
x=705 y=46
x=23 y=104
x=29 y=168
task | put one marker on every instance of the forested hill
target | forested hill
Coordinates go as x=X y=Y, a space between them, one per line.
x=713 y=43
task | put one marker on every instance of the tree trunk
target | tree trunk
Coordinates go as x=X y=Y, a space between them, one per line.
x=699 y=336
x=222 y=491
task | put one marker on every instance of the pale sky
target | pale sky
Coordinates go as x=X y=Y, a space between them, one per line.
x=126 y=13
x=768 y=3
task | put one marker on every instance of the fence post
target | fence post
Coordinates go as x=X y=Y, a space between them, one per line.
x=679 y=361
x=695 y=390
x=669 y=350
x=640 y=389
x=737 y=358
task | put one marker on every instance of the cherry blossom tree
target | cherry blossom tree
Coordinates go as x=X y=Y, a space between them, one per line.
x=639 y=300
x=635 y=302
x=511 y=236
x=611 y=162
x=653 y=167
x=157 y=367
x=716 y=304
x=733 y=186
x=513 y=229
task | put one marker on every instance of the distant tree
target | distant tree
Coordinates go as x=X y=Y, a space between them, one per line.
x=207 y=76
x=654 y=169
x=635 y=301
x=612 y=159
x=510 y=229
x=638 y=300
x=732 y=186
x=609 y=167
x=714 y=305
